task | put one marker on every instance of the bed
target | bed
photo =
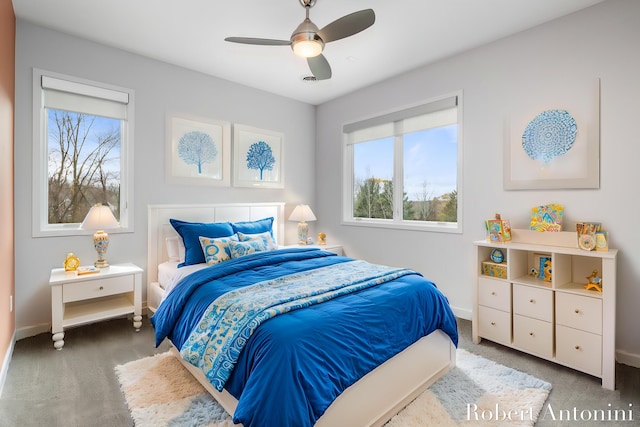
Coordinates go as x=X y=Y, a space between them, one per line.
x=332 y=373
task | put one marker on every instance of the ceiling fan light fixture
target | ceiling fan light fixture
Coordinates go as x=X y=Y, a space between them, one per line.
x=307 y=48
x=307 y=45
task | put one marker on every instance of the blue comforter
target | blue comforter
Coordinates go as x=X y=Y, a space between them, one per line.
x=295 y=364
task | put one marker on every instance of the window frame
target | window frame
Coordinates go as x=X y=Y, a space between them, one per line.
x=398 y=171
x=40 y=188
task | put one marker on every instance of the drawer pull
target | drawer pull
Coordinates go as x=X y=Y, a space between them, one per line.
x=101 y=288
x=532 y=301
x=577 y=311
x=493 y=323
x=577 y=347
x=530 y=333
x=493 y=293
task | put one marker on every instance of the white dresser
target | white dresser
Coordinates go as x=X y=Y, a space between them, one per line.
x=558 y=320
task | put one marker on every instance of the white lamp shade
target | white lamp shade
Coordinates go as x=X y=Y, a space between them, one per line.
x=99 y=217
x=302 y=213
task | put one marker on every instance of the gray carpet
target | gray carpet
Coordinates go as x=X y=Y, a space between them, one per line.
x=77 y=385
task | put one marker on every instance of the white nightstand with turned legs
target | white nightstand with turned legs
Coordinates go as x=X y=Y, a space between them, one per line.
x=79 y=299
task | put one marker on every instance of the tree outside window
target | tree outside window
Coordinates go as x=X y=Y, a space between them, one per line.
x=414 y=153
x=84 y=165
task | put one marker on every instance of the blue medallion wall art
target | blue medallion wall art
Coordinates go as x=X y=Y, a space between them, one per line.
x=549 y=135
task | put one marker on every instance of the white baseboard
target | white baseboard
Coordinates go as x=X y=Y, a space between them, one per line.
x=6 y=360
x=462 y=313
x=627 y=358
x=31 y=331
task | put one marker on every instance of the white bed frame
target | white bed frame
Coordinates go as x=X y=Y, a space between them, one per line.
x=371 y=401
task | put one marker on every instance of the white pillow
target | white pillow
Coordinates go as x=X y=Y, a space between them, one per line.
x=175 y=248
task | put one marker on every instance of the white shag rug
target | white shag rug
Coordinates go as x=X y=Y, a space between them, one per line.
x=161 y=392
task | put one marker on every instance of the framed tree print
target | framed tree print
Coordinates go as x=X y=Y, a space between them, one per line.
x=198 y=151
x=257 y=155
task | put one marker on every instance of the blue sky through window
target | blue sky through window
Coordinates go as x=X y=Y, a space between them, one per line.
x=429 y=156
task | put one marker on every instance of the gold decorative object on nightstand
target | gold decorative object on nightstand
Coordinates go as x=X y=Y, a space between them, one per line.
x=322 y=239
x=71 y=262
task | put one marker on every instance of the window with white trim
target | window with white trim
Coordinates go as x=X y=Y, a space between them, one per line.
x=403 y=169
x=83 y=133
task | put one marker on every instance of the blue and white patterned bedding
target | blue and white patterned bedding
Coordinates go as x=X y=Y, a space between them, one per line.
x=310 y=341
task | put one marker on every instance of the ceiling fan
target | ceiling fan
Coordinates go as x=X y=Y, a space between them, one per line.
x=308 y=41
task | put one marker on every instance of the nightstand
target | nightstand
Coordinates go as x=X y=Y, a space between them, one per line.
x=78 y=299
x=336 y=249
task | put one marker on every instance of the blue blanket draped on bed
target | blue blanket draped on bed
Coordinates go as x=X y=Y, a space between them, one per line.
x=229 y=322
x=295 y=364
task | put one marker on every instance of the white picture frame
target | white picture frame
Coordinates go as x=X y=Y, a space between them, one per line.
x=579 y=167
x=258 y=157
x=198 y=151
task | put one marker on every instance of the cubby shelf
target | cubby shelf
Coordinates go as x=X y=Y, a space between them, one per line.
x=558 y=320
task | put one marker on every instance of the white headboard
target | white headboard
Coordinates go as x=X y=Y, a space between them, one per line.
x=160 y=228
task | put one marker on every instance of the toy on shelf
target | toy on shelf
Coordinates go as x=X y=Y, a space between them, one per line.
x=547 y=217
x=594 y=282
x=498 y=230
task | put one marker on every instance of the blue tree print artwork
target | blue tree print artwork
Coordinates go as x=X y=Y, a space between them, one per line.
x=260 y=157
x=197 y=148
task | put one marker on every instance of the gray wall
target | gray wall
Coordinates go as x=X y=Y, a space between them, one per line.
x=160 y=89
x=498 y=80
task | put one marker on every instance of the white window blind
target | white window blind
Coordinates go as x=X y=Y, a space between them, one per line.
x=64 y=95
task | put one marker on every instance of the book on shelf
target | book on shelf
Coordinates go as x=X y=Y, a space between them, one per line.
x=88 y=270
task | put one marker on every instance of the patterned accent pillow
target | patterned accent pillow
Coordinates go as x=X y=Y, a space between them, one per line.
x=216 y=250
x=265 y=237
x=238 y=249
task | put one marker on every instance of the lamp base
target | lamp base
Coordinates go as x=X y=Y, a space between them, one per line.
x=101 y=243
x=101 y=263
x=303 y=230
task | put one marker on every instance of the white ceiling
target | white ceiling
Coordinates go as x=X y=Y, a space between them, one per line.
x=190 y=33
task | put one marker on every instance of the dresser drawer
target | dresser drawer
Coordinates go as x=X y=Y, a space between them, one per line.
x=533 y=335
x=580 y=350
x=579 y=312
x=494 y=325
x=533 y=302
x=494 y=293
x=97 y=288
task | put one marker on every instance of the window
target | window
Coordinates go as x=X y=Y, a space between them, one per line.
x=82 y=152
x=402 y=169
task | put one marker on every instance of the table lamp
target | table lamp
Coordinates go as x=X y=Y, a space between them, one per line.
x=302 y=214
x=100 y=218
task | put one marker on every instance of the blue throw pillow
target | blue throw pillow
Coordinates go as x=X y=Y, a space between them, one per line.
x=254 y=227
x=239 y=249
x=265 y=237
x=191 y=232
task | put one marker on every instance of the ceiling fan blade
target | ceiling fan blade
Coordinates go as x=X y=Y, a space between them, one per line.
x=319 y=67
x=263 y=42
x=348 y=25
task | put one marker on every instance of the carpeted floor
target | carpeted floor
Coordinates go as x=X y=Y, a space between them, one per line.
x=160 y=392
x=77 y=386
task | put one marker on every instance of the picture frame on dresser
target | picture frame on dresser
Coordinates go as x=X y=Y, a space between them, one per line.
x=257 y=157
x=198 y=150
